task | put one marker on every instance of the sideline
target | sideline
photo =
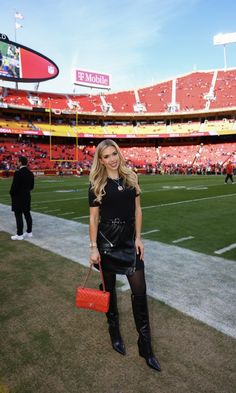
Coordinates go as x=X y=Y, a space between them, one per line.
x=199 y=285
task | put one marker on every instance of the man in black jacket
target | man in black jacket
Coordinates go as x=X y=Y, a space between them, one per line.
x=23 y=183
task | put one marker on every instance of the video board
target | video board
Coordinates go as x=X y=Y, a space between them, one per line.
x=21 y=64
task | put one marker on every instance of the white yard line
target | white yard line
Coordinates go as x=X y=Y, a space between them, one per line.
x=154 y=230
x=51 y=211
x=59 y=200
x=188 y=201
x=66 y=214
x=181 y=239
x=145 y=207
x=225 y=249
x=176 y=187
x=77 y=218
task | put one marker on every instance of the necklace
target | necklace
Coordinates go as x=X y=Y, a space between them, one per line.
x=117 y=181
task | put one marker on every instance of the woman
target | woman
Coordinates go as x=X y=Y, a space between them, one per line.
x=115 y=236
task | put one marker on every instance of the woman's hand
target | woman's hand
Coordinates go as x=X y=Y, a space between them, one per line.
x=139 y=247
x=94 y=256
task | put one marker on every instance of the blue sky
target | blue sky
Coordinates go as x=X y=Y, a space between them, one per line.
x=138 y=42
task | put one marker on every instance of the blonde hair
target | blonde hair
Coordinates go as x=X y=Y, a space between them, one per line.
x=98 y=174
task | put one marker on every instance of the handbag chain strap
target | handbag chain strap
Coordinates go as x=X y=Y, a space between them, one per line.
x=101 y=275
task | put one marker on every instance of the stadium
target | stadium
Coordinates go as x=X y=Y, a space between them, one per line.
x=178 y=135
x=184 y=125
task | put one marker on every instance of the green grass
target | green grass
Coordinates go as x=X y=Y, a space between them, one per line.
x=178 y=206
x=49 y=346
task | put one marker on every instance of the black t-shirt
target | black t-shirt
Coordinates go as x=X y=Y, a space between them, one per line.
x=115 y=204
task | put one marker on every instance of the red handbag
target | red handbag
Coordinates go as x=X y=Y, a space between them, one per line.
x=93 y=299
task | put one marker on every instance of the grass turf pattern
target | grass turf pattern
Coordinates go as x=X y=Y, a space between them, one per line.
x=47 y=345
x=196 y=211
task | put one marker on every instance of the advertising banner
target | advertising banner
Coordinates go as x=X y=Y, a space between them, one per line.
x=92 y=79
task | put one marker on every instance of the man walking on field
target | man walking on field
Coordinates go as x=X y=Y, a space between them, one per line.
x=229 y=172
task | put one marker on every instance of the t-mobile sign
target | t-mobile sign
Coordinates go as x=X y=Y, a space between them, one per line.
x=92 y=79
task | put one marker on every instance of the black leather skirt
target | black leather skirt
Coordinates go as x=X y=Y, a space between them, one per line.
x=116 y=245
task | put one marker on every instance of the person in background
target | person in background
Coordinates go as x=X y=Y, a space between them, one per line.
x=229 y=172
x=115 y=241
x=22 y=185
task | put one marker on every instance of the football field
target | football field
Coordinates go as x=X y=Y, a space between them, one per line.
x=47 y=345
x=193 y=212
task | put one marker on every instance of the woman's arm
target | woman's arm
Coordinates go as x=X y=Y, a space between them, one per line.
x=93 y=230
x=138 y=227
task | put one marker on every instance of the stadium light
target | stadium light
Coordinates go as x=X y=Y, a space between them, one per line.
x=224 y=39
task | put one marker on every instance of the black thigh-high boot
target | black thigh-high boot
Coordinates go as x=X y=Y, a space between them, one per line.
x=141 y=318
x=113 y=322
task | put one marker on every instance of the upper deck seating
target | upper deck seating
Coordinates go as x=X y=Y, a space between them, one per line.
x=122 y=102
x=87 y=103
x=16 y=97
x=53 y=101
x=191 y=89
x=156 y=98
x=196 y=91
x=225 y=90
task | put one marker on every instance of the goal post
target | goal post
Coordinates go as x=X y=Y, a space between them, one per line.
x=63 y=152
